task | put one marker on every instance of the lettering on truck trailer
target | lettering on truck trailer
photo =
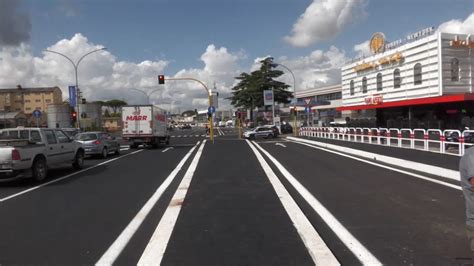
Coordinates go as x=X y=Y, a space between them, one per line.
x=136 y=117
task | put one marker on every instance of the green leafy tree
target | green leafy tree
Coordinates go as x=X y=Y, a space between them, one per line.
x=115 y=105
x=248 y=93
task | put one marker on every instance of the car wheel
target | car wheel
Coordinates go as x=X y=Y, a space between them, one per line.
x=117 y=151
x=252 y=137
x=39 y=169
x=78 y=160
x=105 y=153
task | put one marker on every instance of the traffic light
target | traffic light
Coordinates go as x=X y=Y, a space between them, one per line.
x=161 y=79
x=74 y=117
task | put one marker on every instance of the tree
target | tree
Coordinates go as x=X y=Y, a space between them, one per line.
x=248 y=93
x=115 y=104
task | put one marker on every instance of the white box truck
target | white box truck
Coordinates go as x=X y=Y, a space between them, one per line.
x=144 y=124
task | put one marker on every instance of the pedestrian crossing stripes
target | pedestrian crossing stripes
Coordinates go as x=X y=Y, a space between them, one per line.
x=191 y=136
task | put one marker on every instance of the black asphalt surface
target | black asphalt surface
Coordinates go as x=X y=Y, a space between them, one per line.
x=231 y=214
x=399 y=218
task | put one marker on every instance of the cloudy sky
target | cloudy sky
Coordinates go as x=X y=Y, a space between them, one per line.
x=211 y=40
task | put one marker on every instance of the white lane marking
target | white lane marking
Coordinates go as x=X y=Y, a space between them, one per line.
x=280 y=144
x=317 y=248
x=384 y=166
x=361 y=252
x=156 y=247
x=429 y=169
x=167 y=149
x=173 y=136
x=64 y=177
x=196 y=135
x=124 y=149
x=112 y=253
x=125 y=146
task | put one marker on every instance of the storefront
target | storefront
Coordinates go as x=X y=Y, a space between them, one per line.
x=423 y=81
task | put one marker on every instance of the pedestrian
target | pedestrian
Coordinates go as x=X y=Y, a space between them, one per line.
x=466 y=169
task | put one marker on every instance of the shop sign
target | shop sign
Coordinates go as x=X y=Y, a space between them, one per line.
x=456 y=43
x=374 y=99
x=395 y=58
x=377 y=43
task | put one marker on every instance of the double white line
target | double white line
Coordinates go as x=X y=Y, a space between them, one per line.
x=313 y=242
x=161 y=236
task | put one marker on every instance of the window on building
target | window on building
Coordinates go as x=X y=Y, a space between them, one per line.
x=352 y=87
x=28 y=109
x=27 y=101
x=364 y=85
x=17 y=109
x=379 y=81
x=38 y=108
x=397 y=80
x=417 y=74
x=38 y=101
x=48 y=100
x=454 y=69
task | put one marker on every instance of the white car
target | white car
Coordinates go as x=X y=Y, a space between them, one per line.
x=260 y=132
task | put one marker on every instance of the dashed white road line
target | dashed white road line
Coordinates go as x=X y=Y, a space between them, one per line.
x=359 y=250
x=155 y=249
x=167 y=149
x=280 y=144
x=112 y=253
x=64 y=177
x=317 y=248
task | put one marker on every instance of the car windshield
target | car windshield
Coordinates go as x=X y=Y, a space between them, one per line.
x=237 y=132
x=86 y=136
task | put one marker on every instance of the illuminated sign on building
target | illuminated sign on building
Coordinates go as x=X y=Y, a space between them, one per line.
x=377 y=43
x=374 y=99
x=456 y=43
x=395 y=58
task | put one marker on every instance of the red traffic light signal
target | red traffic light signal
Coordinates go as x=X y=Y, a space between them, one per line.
x=161 y=79
x=74 y=116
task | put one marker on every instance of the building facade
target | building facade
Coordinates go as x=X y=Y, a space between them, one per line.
x=323 y=102
x=27 y=100
x=423 y=81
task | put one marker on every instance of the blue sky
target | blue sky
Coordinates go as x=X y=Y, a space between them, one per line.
x=213 y=40
x=180 y=30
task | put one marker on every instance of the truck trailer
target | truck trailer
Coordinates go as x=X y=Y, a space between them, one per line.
x=144 y=124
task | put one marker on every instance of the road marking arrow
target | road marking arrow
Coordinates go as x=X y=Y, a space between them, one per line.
x=280 y=144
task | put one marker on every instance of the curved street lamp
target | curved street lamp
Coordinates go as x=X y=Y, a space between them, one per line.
x=147 y=95
x=295 y=124
x=76 y=65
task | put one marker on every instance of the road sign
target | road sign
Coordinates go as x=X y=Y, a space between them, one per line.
x=37 y=113
x=268 y=97
x=72 y=96
x=211 y=110
x=307 y=109
x=307 y=100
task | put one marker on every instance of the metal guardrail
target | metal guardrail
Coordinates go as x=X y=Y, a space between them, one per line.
x=433 y=140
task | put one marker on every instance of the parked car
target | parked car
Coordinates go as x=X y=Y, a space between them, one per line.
x=261 y=132
x=98 y=143
x=286 y=128
x=30 y=152
x=71 y=132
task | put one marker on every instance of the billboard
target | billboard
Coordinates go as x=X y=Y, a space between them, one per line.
x=268 y=97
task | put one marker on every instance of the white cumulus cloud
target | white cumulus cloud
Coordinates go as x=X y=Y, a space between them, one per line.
x=324 y=19
x=458 y=26
x=362 y=49
x=102 y=76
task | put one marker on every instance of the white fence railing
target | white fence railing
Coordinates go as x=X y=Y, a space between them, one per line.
x=449 y=141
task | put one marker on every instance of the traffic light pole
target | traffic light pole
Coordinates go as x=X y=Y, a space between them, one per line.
x=209 y=98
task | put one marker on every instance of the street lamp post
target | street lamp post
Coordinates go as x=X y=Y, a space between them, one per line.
x=295 y=125
x=76 y=65
x=147 y=95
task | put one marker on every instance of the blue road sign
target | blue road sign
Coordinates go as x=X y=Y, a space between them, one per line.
x=72 y=96
x=307 y=109
x=211 y=110
x=37 y=113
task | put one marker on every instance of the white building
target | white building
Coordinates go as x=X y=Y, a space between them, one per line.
x=427 y=76
x=323 y=102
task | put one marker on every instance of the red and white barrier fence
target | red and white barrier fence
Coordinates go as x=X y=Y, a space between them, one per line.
x=449 y=141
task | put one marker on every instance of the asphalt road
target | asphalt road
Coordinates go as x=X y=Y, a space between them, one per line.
x=231 y=202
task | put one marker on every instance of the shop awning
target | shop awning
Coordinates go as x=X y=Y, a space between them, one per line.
x=420 y=101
